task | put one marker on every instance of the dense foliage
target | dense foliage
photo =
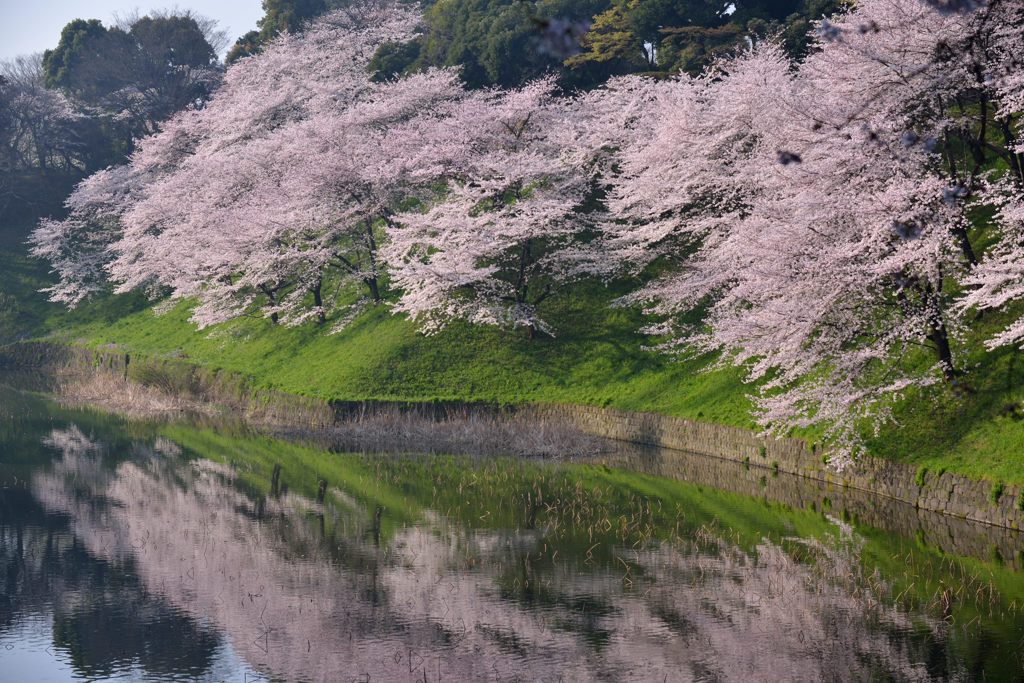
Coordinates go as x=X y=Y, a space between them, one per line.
x=136 y=75
x=508 y=43
x=833 y=226
x=279 y=16
x=79 y=107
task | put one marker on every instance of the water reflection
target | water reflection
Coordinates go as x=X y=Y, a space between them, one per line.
x=183 y=552
x=97 y=618
x=945 y=533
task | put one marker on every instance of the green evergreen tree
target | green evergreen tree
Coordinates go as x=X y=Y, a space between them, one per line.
x=278 y=16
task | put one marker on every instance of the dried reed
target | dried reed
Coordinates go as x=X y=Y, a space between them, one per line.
x=393 y=430
x=112 y=393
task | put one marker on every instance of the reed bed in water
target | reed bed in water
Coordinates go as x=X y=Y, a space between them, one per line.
x=381 y=429
x=130 y=399
x=394 y=430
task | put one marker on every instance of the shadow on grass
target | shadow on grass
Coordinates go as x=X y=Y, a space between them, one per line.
x=977 y=426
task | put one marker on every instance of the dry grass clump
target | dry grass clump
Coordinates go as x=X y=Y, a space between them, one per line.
x=497 y=434
x=112 y=393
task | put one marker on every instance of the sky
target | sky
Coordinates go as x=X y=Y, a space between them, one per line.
x=28 y=26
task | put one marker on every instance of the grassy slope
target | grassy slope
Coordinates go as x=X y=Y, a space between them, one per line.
x=597 y=358
x=977 y=430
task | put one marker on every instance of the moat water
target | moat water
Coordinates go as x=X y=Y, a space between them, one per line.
x=196 y=551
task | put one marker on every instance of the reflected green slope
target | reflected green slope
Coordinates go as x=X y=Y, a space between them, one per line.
x=593 y=513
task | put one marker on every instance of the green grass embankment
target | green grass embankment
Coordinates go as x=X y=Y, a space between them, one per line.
x=596 y=358
x=975 y=428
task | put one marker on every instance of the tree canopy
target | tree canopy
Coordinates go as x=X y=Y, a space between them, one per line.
x=279 y=15
x=159 y=65
x=507 y=43
x=502 y=42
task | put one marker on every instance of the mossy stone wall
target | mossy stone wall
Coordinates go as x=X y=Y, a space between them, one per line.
x=949 y=493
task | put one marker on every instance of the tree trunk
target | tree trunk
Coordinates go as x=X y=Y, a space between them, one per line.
x=939 y=335
x=960 y=232
x=1016 y=160
x=318 y=301
x=270 y=299
x=371 y=284
x=371 y=281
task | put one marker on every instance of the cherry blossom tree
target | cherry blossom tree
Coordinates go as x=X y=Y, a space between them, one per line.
x=682 y=167
x=40 y=124
x=997 y=282
x=506 y=232
x=307 y=205
x=232 y=202
x=77 y=247
x=811 y=215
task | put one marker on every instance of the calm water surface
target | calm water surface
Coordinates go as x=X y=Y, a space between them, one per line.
x=145 y=551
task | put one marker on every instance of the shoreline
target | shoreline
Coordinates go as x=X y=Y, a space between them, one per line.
x=179 y=385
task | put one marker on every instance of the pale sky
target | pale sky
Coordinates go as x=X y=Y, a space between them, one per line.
x=28 y=26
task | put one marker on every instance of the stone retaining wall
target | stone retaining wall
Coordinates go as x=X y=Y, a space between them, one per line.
x=950 y=534
x=944 y=492
x=949 y=493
